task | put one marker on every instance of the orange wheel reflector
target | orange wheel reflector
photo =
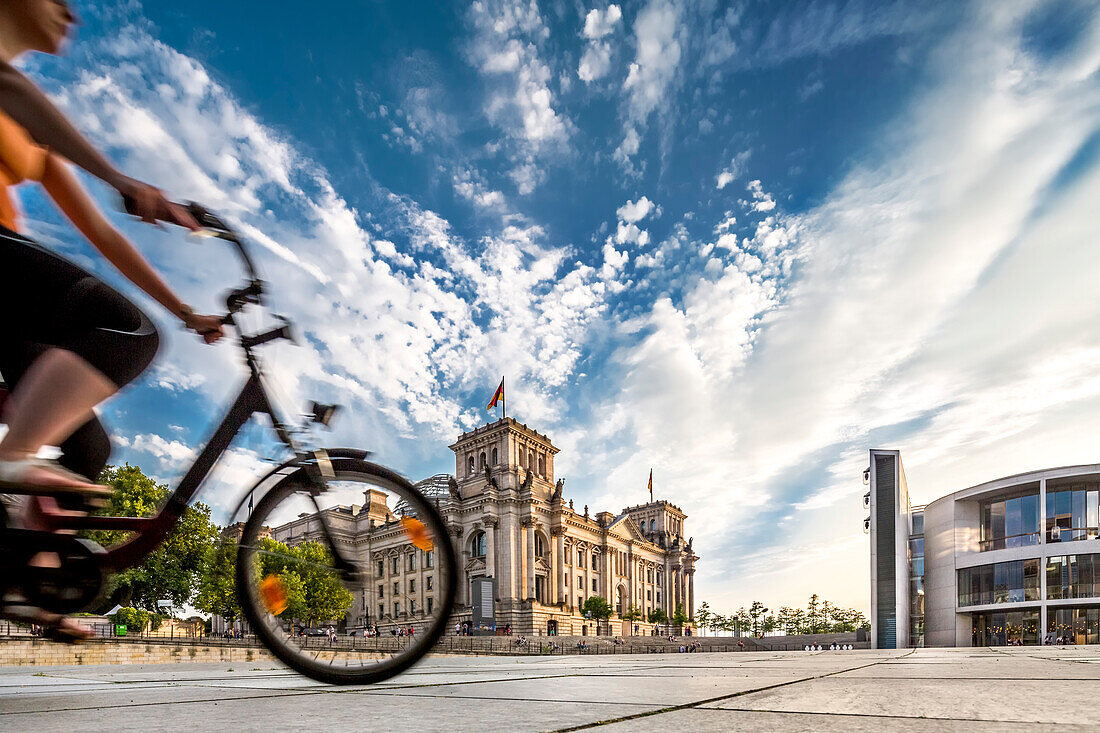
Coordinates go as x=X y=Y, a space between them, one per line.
x=418 y=533
x=273 y=593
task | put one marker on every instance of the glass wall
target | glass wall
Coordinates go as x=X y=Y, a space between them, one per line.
x=1011 y=520
x=1073 y=625
x=916 y=580
x=1005 y=628
x=1073 y=576
x=1073 y=509
x=1002 y=582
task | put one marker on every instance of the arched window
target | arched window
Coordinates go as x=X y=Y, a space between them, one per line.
x=470 y=465
x=652 y=525
x=479 y=544
x=531 y=460
x=542 y=467
x=495 y=459
x=540 y=546
x=482 y=459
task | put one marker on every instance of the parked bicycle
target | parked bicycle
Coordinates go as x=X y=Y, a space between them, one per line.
x=311 y=493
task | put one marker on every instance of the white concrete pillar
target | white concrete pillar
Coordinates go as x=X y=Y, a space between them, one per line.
x=560 y=552
x=491 y=548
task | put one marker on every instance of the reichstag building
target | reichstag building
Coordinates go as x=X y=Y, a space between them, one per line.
x=1006 y=562
x=528 y=558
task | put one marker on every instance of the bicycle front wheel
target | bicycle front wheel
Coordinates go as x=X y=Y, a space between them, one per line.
x=338 y=626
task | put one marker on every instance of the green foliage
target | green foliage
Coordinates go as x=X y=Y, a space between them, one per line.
x=313 y=589
x=756 y=616
x=218 y=582
x=657 y=616
x=597 y=607
x=173 y=570
x=679 y=616
x=703 y=615
x=137 y=619
x=632 y=614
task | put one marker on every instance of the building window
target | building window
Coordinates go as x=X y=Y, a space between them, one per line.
x=428 y=582
x=430 y=604
x=1002 y=628
x=649 y=576
x=410 y=562
x=580 y=583
x=479 y=544
x=658 y=596
x=580 y=558
x=396 y=609
x=595 y=587
x=1075 y=624
x=648 y=595
x=393 y=565
x=658 y=577
x=482 y=459
x=542 y=467
x=1011 y=521
x=412 y=606
x=381 y=611
x=495 y=459
x=396 y=590
x=381 y=568
x=1073 y=511
x=470 y=465
x=1003 y=582
x=429 y=559
x=1073 y=576
x=412 y=585
x=381 y=589
x=540 y=546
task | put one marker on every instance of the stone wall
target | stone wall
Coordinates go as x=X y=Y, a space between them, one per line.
x=27 y=652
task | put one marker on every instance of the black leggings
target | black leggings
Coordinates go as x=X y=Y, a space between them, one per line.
x=51 y=303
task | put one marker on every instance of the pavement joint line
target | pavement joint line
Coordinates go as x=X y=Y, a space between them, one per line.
x=693 y=705
x=297 y=692
x=936 y=718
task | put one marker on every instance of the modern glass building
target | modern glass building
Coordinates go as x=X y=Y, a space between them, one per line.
x=1010 y=561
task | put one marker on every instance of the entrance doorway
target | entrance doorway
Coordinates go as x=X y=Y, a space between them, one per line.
x=552 y=627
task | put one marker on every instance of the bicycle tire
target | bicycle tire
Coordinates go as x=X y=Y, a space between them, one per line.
x=254 y=611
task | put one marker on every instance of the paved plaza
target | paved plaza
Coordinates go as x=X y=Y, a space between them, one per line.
x=928 y=689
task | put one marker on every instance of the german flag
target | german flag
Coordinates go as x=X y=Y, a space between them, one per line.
x=498 y=395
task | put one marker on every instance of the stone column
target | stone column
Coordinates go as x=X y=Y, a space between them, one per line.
x=491 y=547
x=559 y=564
x=531 y=559
x=523 y=560
x=691 y=595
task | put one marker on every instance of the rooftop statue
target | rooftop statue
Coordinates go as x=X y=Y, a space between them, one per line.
x=452 y=487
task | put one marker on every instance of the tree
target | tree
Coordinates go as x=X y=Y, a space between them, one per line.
x=798 y=621
x=770 y=624
x=312 y=589
x=679 y=616
x=756 y=613
x=657 y=616
x=703 y=615
x=173 y=570
x=137 y=619
x=719 y=622
x=632 y=614
x=742 y=621
x=814 y=620
x=597 y=607
x=218 y=582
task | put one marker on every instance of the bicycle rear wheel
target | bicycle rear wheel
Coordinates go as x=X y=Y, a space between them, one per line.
x=296 y=600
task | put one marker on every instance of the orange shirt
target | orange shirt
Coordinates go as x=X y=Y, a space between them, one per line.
x=21 y=159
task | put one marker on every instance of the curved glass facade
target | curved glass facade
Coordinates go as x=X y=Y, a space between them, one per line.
x=1002 y=582
x=1073 y=576
x=1011 y=520
x=1073 y=625
x=1005 y=628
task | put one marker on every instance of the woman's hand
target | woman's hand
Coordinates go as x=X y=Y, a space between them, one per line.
x=149 y=204
x=209 y=327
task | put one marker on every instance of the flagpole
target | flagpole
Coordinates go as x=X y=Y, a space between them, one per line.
x=503 y=398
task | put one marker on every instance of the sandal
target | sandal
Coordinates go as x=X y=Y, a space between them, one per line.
x=13 y=479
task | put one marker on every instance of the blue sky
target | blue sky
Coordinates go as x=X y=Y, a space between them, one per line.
x=739 y=243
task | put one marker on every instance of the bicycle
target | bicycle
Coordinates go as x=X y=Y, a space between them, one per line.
x=304 y=491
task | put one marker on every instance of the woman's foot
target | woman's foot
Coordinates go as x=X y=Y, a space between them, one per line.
x=32 y=475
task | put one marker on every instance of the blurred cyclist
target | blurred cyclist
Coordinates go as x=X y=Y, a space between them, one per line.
x=70 y=340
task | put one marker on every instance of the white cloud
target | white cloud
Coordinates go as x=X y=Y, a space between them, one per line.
x=596 y=59
x=634 y=211
x=733 y=171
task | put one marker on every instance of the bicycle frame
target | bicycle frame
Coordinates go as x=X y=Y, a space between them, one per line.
x=152 y=531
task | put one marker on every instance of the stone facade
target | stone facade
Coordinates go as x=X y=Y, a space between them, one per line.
x=509 y=520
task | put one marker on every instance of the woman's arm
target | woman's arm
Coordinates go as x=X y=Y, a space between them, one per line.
x=26 y=104
x=66 y=191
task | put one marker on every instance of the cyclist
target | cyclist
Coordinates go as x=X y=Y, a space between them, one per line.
x=71 y=341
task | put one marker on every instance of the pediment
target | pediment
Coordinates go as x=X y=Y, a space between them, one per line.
x=475 y=565
x=629 y=526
